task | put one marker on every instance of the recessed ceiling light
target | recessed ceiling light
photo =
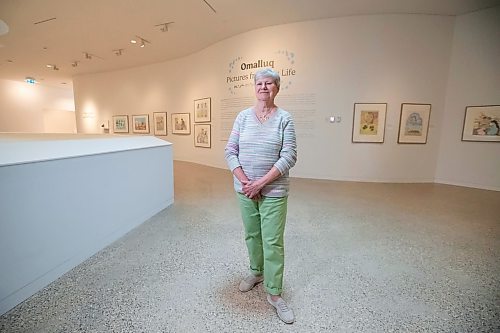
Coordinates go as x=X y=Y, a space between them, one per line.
x=133 y=41
x=4 y=28
x=48 y=66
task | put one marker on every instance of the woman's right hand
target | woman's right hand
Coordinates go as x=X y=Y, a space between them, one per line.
x=251 y=189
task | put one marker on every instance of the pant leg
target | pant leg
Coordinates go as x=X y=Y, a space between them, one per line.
x=273 y=218
x=253 y=236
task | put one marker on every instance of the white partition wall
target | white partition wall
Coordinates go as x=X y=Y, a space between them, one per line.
x=62 y=199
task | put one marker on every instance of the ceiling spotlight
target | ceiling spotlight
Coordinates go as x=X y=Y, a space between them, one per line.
x=133 y=41
x=118 y=52
x=49 y=65
x=143 y=41
x=164 y=26
x=91 y=56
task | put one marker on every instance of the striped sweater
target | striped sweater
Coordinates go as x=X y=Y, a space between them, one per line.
x=258 y=147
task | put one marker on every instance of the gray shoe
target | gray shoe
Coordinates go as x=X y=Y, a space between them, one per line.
x=284 y=312
x=250 y=281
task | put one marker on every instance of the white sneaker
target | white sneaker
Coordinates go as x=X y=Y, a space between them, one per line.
x=250 y=281
x=284 y=312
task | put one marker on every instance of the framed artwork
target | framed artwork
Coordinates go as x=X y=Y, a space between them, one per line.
x=202 y=110
x=202 y=135
x=369 y=122
x=140 y=123
x=481 y=123
x=414 y=123
x=160 y=123
x=181 y=123
x=120 y=124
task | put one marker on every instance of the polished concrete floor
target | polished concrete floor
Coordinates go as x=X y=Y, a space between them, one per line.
x=360 y=257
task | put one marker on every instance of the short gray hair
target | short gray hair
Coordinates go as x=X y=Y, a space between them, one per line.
x=267 y=72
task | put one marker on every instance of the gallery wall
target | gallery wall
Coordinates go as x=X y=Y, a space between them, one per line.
x=474 y=80
x=326 y=66
x=36 y=108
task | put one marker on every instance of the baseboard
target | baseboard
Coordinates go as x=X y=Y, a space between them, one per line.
x=467 y=184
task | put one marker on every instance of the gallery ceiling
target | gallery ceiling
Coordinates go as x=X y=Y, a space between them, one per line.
x=56 y=40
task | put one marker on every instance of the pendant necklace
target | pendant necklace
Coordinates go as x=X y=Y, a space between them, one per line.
x=265 y=116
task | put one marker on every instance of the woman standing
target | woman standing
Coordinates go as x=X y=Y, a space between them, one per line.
x=260 y=151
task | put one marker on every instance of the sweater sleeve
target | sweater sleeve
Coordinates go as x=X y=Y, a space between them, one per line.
x=232 y=149
x=288 y=153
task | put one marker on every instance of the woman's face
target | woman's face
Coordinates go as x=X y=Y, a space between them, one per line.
x=265 y=89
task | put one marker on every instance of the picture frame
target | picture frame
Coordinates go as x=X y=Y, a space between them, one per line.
x=369 y=122
x=181 y=123
x=140 y=123
x=414 y=123
x=202 y=135
x=160 y=123
x=481 y=123
x=202 y=110
x=120 y=124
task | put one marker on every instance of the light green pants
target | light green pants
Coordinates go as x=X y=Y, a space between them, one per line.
x=264 y=222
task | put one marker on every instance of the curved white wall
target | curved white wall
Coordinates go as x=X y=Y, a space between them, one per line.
x=390 y=59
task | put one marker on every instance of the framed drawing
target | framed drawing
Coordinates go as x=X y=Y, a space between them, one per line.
x=414 y=123
x=481 y=123
x=202 y=110
x=120 y=124
x=181 y=123
x=140 y=123
x=160 y=123
x=369 y=122
x=202 y=135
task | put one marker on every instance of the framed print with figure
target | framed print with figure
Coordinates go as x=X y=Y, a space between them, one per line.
x=414 y=123
x=202 y=135
x=481 y=123
x=181 y=123
x=160 y=123
x=202 y=110
x=369 y=122
x=120 y=124
x=140 y=123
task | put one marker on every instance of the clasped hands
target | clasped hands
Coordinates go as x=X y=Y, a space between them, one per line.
x=251 y=189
